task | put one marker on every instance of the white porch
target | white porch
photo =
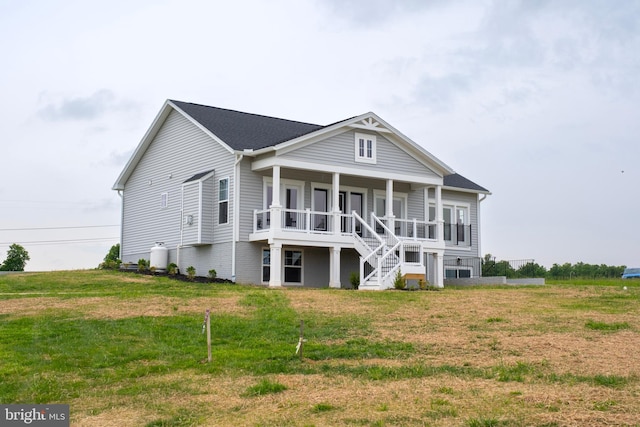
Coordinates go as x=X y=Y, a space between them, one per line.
x=386 y=244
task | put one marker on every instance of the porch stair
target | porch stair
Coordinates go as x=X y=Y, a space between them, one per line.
x=381 y=255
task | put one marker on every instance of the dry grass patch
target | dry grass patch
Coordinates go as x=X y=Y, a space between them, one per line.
x=120 y=308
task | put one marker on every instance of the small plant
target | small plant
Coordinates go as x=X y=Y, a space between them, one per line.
x=322 y=407
x=110 y=265
x=143 y=265
x=603 y=326
x=354 y=278
x=213 y=274
x=153 y=269
x=191 y=272
x=265 y=387
x=423 y=284
x=172 y=269
x=399 y=282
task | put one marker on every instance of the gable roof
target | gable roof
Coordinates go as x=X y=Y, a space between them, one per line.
x=242 y=131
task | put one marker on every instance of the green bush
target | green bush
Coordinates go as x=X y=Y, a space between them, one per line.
x=143 y=265
x=354 y=278
x=191 y=272
x=399 y=282
x=213 y=274
x=172 y=269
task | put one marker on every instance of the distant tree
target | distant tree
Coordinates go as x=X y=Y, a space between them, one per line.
x=488 y=266
x=531 y=269
x=17 y=258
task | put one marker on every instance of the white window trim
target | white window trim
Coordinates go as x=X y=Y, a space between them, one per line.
x=228 y=199
x=283 y=266
x=458 y=269
x=365 y=159
x=454 y=206
x=381 y=194
x=284 y=183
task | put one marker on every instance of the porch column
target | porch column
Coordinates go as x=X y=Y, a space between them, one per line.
x=335 y=195
x=275 y=268
x=439 y=222
x=276 y=206
x=438 y=270
x=389 y=203
x=334 y=267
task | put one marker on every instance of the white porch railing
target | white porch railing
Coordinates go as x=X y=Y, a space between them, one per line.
x=302 y=220
x=309 y=221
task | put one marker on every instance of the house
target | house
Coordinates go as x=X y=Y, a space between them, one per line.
x=277 y=202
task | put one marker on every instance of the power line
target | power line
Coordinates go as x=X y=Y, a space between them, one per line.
x=58 y=228
x=63 y=242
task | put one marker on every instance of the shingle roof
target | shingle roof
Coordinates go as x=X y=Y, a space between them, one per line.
x=244 y=130
x=197 y=176
x=458 y=181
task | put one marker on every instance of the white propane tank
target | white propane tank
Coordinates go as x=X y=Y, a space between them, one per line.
x=159 y=256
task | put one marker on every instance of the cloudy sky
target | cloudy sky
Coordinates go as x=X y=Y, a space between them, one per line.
x=538 y=101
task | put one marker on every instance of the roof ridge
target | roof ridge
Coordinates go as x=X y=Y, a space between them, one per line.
x=244 y=112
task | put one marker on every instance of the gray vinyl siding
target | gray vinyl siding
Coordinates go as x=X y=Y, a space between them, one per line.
x=178 y=151
x=339 y=150
x=191 y=210
x=208 y=210
x=251 y=198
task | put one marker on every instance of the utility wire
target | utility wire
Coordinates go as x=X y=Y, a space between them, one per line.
x=58 y=228
x=63 y=242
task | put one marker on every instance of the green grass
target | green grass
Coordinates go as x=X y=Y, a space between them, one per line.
x=265 y=386
x=156 y=363
x=603 y=326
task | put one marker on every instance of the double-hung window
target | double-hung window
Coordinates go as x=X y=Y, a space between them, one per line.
x=365 y=148
x=223 y=201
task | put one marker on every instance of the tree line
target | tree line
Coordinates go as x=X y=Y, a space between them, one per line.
x=528 y=269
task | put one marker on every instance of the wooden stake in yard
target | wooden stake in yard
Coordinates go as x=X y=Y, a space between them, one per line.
x=208 y=321
x=299 y=349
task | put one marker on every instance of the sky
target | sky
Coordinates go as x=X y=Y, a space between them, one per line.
x=537 y=101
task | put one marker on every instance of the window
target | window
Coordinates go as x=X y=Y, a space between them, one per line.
x=293 y=266
x=164 y=200
x=456 y=224
x=223 y=201
x=365 y=148
x=457 y=273
x=266 y=265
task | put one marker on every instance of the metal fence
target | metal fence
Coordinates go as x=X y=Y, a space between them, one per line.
x=476 y=267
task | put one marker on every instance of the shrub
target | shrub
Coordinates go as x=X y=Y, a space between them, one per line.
x=213 y=274
x=172 y=269
x=143 y=264
x=398 y=281
x=191 y=272
x=354 y=278
x=110 y=265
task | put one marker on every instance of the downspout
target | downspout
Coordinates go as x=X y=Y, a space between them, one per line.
x=236 y=214
x=181 y=230
x=480 y=199
x=121 y=194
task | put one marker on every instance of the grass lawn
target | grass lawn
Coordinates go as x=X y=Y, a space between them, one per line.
x=128 y=350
